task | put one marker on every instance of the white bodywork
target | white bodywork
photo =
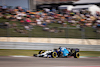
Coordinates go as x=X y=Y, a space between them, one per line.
x=45 y=54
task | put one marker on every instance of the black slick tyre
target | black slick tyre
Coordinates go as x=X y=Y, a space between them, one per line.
x=77 y=55
x=54 y=54
x=41 y=51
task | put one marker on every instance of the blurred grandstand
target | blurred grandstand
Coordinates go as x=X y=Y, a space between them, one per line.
x=52 y=23
x=49 y=23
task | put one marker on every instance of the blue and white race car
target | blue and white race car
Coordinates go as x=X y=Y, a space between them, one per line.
x=60 y=52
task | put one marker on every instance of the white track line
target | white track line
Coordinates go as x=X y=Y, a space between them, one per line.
x=20 y=56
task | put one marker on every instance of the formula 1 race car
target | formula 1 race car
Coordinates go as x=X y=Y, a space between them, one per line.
x=55 y=53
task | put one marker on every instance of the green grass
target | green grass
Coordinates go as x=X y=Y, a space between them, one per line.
x=2 y=20
x=90 y=53
x=9 y=52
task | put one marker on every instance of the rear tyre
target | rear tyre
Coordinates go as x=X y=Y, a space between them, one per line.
x=77 y=55
x=54 y=54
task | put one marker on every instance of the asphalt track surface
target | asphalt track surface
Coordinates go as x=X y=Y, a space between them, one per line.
x=48 y=62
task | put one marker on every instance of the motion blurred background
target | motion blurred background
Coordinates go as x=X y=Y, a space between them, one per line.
x=68 y=22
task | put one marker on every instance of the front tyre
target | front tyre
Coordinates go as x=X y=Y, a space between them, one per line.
x=77 y=55
x=35 y=55
x=41 y=51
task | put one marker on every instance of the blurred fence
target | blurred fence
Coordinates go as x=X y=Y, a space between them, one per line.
x=51 y=32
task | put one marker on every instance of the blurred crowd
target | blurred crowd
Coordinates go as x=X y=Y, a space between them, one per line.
x=28 y=19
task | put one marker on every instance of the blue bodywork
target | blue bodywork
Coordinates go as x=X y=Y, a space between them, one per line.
x=64 y=51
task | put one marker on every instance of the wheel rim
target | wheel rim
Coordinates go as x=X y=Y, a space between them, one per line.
x=54 y=54
x=77 y=55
